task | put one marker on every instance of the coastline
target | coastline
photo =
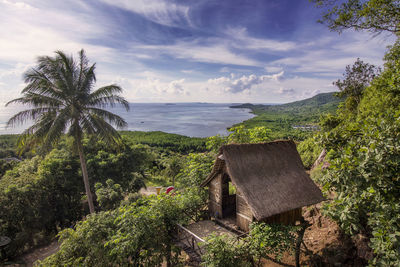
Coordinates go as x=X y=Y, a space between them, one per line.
x=186 y=119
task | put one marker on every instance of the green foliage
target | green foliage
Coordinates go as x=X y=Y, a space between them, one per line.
x=365 y=175
x=166 y=141
x=40 y=196
x=196 y=169
x=139 y=234
x=239 y=135
x=272 y=239
x=125 y=165
x=364 y=156
x=263 y=241
x=110 y=195
x=8 y=147
x=226 y=250
x=356 y=78
x=371 y=15
x=37 y=198
x=330 y=121
x=309 y=151
x=6 y=165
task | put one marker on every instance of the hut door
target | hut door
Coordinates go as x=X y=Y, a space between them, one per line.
x=228 y=197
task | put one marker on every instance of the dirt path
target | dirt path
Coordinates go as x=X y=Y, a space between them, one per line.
x=27 y=260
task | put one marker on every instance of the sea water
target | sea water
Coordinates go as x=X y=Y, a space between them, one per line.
x=190 y=119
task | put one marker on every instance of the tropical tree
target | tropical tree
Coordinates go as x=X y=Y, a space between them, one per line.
x=356 y=78
x=61 y=98
x=376 y=16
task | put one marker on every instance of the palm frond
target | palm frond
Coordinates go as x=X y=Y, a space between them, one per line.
x=37 y=100
x=89 y=78
x=111 y=101
x=55 y=71
x=25 y=115
x=83 y=67
x=86 y=125
x=67 y=70
x=39 y=82
x=34 y=135
x=104 y=130
x=57 y=128
x=106 y=91
x=109 y=116
x=60 y=91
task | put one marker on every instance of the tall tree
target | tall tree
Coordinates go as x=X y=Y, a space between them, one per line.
x=61 y=98
x=356 y=78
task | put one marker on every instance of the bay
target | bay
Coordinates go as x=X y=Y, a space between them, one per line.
x=190 y=119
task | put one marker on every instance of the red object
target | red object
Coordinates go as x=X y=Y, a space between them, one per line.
x=169 y=189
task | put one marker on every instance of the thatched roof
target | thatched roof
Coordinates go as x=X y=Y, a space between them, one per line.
x=270 y=176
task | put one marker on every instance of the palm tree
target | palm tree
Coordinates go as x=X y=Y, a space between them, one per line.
x=60 y=96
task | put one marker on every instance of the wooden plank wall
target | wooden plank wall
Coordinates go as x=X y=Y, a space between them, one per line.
x=244 y=216
x=289 y=217
x=215 y=197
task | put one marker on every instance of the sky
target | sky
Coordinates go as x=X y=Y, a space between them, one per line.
x=236 y=51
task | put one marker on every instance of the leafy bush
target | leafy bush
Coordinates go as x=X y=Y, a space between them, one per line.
x=110 y=195
x=239 y=134
x=139 y=234
x=166 y=141
x=124 y=165
x=37 y=198
x=226 y=250
x=196 y=169
x=309 y=151
x=263 y=241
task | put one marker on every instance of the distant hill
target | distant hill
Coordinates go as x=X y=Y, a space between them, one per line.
x=318 y=103
x=285 y=119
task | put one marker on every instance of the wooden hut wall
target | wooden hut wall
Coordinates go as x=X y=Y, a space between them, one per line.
x=215 y=197
x=289 y=217
x=244 y=215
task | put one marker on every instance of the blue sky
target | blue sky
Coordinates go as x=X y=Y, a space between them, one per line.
x=260 y=51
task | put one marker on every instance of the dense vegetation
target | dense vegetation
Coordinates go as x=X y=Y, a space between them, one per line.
x=363 y=144
x=43 y=195
x=135 y=234
x=362 y=138
x=167 y=141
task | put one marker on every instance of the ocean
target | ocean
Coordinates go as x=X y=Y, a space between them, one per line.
x=190 y=119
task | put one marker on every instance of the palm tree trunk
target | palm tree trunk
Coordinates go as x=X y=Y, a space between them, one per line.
x=85 y=174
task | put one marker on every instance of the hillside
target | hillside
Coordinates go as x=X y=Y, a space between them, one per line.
x=284 y=117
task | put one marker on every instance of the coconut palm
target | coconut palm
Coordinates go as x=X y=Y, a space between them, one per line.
x=61 y=99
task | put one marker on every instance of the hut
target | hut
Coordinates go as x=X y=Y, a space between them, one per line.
x=260 y=182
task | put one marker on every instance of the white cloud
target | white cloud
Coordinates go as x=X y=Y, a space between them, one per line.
x=156 y=87
x=243 y=40
x=175 y=87
x=273 y=68
x=329 y=56
x=245 y=83
x=159 y=11
x=215 y=52
x=283 y=91
x=28 y=32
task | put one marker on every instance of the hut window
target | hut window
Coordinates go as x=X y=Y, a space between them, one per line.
x=232 y=189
